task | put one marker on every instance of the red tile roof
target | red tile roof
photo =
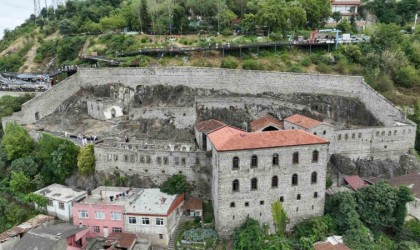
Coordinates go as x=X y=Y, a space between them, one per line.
x=120 y=240
x=228 y=139
x=303 y=121
x=329 y=246
x=410 y=180
x=209 y=125
x=195 y=203
x=266 y=121
x=355 y=182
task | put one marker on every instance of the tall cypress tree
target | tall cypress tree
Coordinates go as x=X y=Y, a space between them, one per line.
x=145 y=18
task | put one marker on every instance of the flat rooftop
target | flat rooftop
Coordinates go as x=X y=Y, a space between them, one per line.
x=112 y=195
x=61 y=193
x=153 y=201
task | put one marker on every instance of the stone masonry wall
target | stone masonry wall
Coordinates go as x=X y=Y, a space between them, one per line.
x=260 y=200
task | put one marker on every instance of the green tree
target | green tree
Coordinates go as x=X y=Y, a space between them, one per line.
x=66 y=27
x=16 y=142
x=387 y=36
x=344 y=26
x=26 y=165
x=317 y=12
x=176 y=184
x=403 y=197
x=86 y=160
x=317 y=228
x=248 y=236
x=19 y=183
x=144 y=16
x=279 y=218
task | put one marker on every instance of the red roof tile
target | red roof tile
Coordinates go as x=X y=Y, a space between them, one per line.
x=266 y=121
x=410 y=180
x=303 y=121
x=120 y=240
x=209 y=125
x=195 y=203
x=355 y=182
x=228 y=138
x=329 y=246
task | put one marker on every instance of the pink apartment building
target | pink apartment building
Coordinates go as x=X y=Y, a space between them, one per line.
x=102 y=211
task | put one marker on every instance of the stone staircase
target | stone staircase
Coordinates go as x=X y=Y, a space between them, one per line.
x=172 y=242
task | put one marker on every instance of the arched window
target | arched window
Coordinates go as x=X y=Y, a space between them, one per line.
x=254 y=184
x=315 y=156
x=254 y=161
x=235 y=185
x=314 y=177
x=235 y=162
x=294 y=180
x=298 y=197
x=275 y=181
x=295 y=158
x=275 y=159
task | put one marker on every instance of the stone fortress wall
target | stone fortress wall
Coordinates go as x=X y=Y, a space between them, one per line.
x=394 y=138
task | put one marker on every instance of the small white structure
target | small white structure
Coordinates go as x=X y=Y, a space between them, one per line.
x=103 y=109
x=60 y=199
x=154 y=214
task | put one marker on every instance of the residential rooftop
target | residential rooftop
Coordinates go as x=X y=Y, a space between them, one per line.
x=61 y=193
x=228 y=139
x=154 y=202
x=193 y=203
x=303 y=121
x=120 y=240
x=25 y=227
x=120 y=195
x=412 y=181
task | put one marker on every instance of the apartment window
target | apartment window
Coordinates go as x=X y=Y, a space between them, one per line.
x=275 y=159
x=176 y=160
x=183 y=161
x=148 y=159
x=165 y=160
x=281 y=199
x=83 y=214
x=115 y=216
x=125 y=158
x=275 y=181
x=132 y=220
x=254 y=161
x=232 y=204
x=235 y=162
x=254 y=184
x=235 y=185
x=246 y=204
x=159 y=160
x=261 y=202
x=159 y=221
x=61 y=205
x=294 y=180
x=298 y=197
x=316 y=195
x=145 y=221
x=160 y=236
x=315 y=155
x=117 y=230
x=50 y=203
x=96 y=229
x=295 y=158
x=99 y=215
x=142 y=159
x=325 y=132
x=314 y=177
x=115 y=157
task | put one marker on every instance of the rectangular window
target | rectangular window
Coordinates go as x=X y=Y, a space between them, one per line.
x=176 y=160
x=165 y=160
x=159 y=221
x=145 y=221
x=50 y=203
x=160 y=236
x=83 y=214
x=117 y=230
x=132 y=220
x=183 y=161
x=99 y=215
x=61 y=205
x=115 y=216
x=96 y=229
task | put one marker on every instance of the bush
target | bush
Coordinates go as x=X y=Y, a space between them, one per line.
x=252 y=65
x=306 y=62
x=384 y=84
x=227 y=32
x=176 y=184
x=323 y=68
x=144 y=40
x=229 y=63
x=407 y=77
x=296 y=69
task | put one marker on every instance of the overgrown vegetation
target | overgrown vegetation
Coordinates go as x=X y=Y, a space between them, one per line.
x=176 y=184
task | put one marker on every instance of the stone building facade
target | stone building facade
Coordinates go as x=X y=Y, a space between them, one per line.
x=253 y=170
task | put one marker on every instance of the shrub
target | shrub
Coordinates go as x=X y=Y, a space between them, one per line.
x=252 y=65
x=176 y=184
x=323 y=68
x=229 y=63
x=407 y=77
x=296 y=69
x=227 y=32
x=306 y=62
x=384 y=84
